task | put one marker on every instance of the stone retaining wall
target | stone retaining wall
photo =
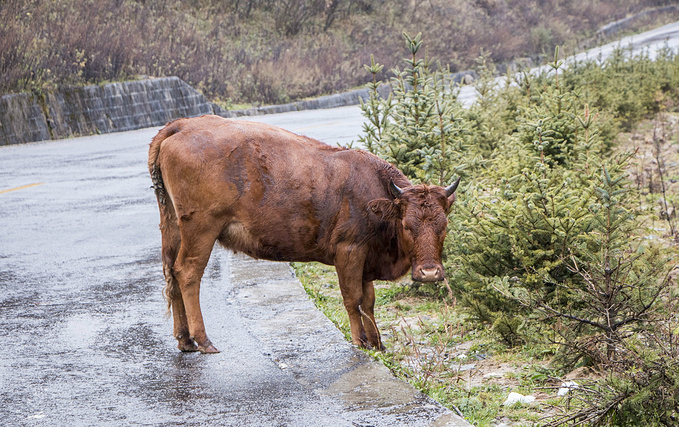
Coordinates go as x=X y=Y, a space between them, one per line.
x=117 y=107
x=21 y=119
x=114 y=107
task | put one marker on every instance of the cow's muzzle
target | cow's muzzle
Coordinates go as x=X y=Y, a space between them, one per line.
x=428 y=273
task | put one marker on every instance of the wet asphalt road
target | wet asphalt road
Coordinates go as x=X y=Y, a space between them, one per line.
x=86 y=337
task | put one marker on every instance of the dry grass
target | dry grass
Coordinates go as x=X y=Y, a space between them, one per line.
x=655 y=171
x=254 y=51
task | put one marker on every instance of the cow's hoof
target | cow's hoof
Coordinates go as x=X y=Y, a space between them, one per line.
x=369 y=346
x=186 y=344
x=188 y=347
x=376 y=347
x=208 y=348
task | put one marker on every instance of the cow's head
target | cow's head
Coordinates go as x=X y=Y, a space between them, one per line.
x=421 y=216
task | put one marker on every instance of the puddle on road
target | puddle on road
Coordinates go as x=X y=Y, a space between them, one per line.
x=371 y=392
x=371 y=385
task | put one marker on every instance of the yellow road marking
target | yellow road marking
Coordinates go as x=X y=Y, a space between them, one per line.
x=21 y=188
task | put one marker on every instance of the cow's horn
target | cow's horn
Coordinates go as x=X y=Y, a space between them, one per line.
x=395 y=190
x=452 y=187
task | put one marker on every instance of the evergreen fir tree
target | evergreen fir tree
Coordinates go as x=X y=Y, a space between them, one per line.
x=522 y=218
x=421 y=128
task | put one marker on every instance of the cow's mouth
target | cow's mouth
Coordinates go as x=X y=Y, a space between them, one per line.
x=428 y=273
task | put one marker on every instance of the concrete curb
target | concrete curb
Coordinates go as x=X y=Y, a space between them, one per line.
x=303 y=342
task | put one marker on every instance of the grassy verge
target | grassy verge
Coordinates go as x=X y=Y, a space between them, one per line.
x=430 y=345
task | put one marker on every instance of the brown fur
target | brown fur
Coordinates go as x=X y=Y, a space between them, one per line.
x=275 y=195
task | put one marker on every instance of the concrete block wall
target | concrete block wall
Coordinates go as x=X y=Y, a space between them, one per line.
x=117 y=107
x=114 y=107
x=328 y=101
x=21 y=119
x=614 y=27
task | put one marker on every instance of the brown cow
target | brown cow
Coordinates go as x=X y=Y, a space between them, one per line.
x=274 y=195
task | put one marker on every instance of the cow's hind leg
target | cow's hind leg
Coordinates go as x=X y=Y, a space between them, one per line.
x=171 y=243
x=181 y=326
x=194 y=253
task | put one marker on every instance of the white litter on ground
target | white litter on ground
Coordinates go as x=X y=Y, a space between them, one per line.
x=566 y=387
x=515 y=398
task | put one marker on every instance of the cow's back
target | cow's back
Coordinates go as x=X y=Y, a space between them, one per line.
x=275 y=195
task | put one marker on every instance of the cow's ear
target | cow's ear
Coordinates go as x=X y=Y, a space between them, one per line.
x=451 y=200
x=383 y=209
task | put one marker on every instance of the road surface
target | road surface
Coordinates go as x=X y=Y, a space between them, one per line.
x=87 y=341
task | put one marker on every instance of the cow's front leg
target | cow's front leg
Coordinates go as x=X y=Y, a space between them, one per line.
x=367 y=308
x=349 y=266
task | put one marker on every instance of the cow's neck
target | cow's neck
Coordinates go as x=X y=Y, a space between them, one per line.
x=403 y=262
x=388 y=261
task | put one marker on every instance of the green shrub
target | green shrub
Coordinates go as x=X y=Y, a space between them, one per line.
x=519 y=219
x=421 y=128
x=546 y=241
x=629 y=86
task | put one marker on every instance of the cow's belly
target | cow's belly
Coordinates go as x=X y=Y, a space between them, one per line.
x=287 y=245
x=237 y=237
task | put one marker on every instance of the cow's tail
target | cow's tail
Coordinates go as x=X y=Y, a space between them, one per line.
x=154 y=166
x=168 y=217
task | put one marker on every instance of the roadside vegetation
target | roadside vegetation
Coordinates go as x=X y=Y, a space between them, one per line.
x=269 y=52
x=562 y=245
